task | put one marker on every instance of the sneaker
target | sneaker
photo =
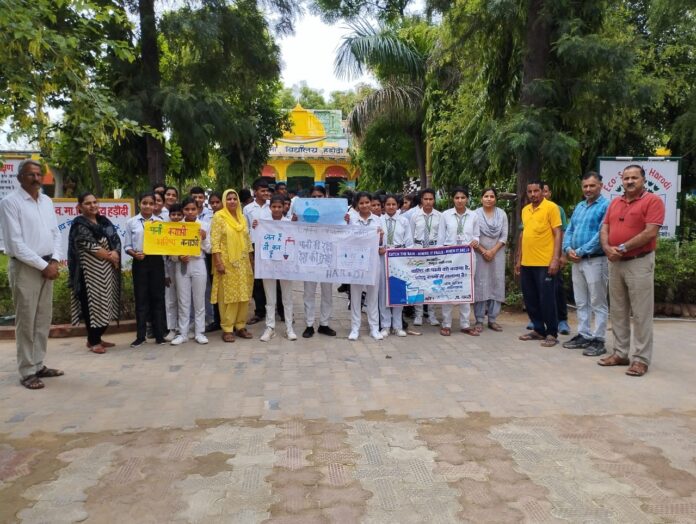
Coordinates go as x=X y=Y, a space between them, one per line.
x=418 y=320
x=137 y=342
x=268 y=334
x=434 y=321
x=577 y=342
x=201 y=338
x=400 y=333
x=170 y=336
x=384 y=333
x=563 y=328
x=326 y=330
x=291 y=335
x=353 y=335
x=376 y=335
x=595 y=349
x=178 y=340
x=530 y=326
x=308 y=332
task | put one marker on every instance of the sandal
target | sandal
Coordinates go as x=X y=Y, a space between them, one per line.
x=228 y=337
x=45 y=372
x=414 y=333
x=637 y=369
x=32 y=382
x=445 y=331
x=549 y=342
x=243 y=333
x=532 y=335
x=471 y=331
x=495 y=326
x=478 y=327
x=99 y=349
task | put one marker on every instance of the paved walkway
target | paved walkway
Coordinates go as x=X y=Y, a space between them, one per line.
x=422 y=429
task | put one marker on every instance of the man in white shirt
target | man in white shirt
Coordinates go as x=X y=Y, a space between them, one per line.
x=253 y=211
x=32 y=241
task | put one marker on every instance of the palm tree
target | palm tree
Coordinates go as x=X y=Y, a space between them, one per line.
x=399 y=61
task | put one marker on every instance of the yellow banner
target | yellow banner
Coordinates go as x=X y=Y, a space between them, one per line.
x=172 y=238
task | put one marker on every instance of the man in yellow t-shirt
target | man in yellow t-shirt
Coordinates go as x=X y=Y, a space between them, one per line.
x=538 y=262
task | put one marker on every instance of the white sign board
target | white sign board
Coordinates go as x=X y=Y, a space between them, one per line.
x=661 y=178
x=118 y=211
x=316 y=253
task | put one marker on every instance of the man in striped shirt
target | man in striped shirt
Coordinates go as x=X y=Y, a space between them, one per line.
x=590 y=271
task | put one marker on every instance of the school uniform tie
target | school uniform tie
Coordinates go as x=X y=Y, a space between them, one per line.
x=390 y=231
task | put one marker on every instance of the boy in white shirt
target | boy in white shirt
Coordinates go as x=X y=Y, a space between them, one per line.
x=425 y=223
x=171 y=299
x=458 y=226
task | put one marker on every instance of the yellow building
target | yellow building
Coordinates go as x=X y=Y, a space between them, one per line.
x=314 y=152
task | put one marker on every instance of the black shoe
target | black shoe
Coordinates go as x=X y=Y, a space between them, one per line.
x=308 y=332
x=137 y=342
x=577 y=342
x=343 y=288
x=595 y=349
x=213 y=326
x=160 y=342
x=326 y=330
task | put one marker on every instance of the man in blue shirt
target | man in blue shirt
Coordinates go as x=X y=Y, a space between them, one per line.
x=590 y=270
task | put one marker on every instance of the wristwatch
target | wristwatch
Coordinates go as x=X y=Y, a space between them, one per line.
x=622 y=248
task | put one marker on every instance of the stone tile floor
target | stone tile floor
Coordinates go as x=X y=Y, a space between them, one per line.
x=422 y=429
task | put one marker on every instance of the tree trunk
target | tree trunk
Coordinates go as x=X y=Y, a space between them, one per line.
x=420 y=158
x=151 y=83
x=94 y=173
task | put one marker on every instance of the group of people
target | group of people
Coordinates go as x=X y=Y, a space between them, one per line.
x=178 y=297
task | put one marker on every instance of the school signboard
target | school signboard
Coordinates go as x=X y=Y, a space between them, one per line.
x=662 y=177
x=441 y=275
x=316 y=253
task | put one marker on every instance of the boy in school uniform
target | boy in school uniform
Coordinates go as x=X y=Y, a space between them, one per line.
x=171 y=299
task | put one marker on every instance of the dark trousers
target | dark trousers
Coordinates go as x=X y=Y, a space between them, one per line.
x=94 y=334
x=561 y=297
x=148 y=288
x=539 y=293
x=259 y=298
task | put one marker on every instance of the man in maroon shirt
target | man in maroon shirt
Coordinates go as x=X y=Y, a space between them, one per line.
x=629 y=239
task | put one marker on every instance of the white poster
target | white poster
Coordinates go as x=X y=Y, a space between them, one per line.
x=116 y=210
x=316 y=253
x=661 y=177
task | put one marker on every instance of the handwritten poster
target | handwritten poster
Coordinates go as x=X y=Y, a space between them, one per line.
x=430 y=276
x=321 y=210
x=172 y=238
x=317 y=253
x=118 y=211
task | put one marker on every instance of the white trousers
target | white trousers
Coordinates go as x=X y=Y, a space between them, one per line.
x=431 y=311
x=191 y=286
x=464 y=310
x=310 y=289
x=372 y=293
x=390 y=317
x=270 y=289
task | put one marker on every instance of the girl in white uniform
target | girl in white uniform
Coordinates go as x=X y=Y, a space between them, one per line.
x=191 y=276
x=396 y=234
x=365 y=219
x=171 y=300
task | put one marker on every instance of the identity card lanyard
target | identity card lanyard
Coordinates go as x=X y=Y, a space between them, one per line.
x=461 y=222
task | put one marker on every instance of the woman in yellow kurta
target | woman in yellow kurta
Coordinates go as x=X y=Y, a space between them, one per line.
x=233 y=278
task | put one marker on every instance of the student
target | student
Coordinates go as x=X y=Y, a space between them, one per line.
x=253 y=211
x=409 y=205
x=366 y=219
x=310 y=291
x=458 y=226
x=191 y=276
x=376 y=205
x=159 y=206
x=197 y=193
x=176 y=214
x=287 y=204
x=148 y=274
x=270 y=284
x=212 y=313
x=397 y=234
x=425 y=224
x=215 y=201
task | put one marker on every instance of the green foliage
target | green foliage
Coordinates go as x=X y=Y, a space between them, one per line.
x=675 y=272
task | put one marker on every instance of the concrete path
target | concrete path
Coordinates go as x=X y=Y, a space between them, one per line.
x=421 y=429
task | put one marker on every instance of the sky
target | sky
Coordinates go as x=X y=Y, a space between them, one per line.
x=309 y=55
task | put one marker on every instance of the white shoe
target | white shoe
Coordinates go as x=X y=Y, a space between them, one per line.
x=170 y=336
x=178 y=340
x=201 y=339
x=400 y=333
x=267 y=335
x=377 y=335
x=434 y=321
x=353 y=335
x=291 y=335
x=384 y=332
x=418 y=321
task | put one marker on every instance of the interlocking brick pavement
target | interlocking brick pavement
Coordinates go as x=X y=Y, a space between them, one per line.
x=421 y=429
